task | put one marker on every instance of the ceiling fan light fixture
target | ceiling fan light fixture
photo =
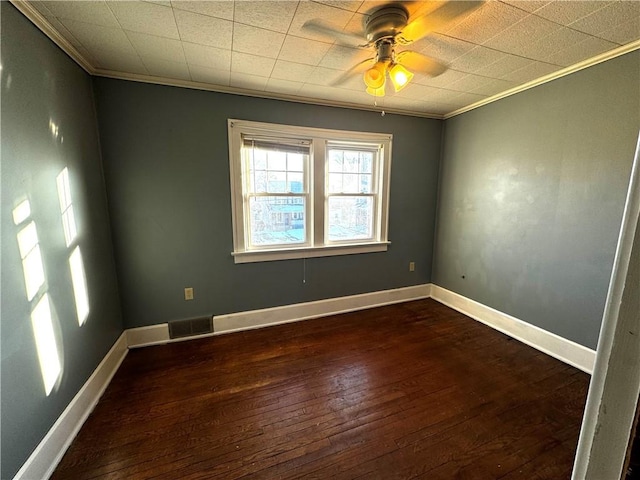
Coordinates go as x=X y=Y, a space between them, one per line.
x=376 y=92
x=374 y=77
x=400 y=76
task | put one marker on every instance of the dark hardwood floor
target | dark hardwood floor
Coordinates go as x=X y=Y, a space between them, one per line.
x=414 y=390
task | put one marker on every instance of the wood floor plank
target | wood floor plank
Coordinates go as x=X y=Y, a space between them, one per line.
x=412 y=390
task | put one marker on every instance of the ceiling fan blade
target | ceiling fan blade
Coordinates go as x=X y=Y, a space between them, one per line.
x=328 y=31
x=420 y=63
x=429 y=22
x=356 y=69
x=353 y=71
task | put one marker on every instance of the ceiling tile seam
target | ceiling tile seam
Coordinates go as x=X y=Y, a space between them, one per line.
x=454 y=90
x=182 y=42
x=336 y=6
x=233 y=31
x=292 y=18
x=144 y=65
x=282 y=44
x=480 y=75
x=268 y=29
x=174 y=7
x=493 y=50
x=562 y=25
x=605 y=4
x=61 y=17
x=128 y=39
x=127 y=32
x=568 y=27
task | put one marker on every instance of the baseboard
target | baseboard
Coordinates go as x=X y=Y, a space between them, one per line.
x=50 y=450
x=321 y=308
x=234 y=322
x=148 y=336
x=565 y=350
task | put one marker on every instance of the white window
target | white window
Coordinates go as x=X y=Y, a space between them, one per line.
x=300 y=192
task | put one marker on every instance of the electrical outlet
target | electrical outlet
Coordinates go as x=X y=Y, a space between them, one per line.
x=412 y=266
x=188 y=293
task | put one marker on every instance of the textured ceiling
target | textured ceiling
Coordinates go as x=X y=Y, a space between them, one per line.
x=260 y=48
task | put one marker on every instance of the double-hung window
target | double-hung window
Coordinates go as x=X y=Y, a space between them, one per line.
x=302 y=192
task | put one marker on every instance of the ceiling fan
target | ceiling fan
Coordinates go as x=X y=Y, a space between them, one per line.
x=387 y=28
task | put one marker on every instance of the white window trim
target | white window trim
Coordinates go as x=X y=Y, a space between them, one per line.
x=320 y=137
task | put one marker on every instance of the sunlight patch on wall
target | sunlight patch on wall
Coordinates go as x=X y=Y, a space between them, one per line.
x=76 y=264
x=66 y=207
x=46 y=345
x=79 y=280
x=31 y=259
x=34 y=278
x=21 y=212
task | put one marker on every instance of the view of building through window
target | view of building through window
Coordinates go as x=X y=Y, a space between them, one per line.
x=350 y=196
x=277 y=193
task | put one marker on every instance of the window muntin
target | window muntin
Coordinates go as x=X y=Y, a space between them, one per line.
x=302 y=192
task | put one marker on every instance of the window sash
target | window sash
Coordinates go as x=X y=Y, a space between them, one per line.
x=355 y=239
x=249 y=226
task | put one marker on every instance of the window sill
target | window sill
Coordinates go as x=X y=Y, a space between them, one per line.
x=308 y=252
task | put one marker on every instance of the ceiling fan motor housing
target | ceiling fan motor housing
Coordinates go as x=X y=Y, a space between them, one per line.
x=386 y=22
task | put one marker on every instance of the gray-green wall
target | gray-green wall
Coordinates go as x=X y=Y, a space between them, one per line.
x=39 y=85
x=165 y=154
x=532 y=190
x=531 y=195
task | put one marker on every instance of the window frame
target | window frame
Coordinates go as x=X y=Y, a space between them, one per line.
x=317 y=244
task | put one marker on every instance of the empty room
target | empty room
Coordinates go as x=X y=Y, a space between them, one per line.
x=320 y=239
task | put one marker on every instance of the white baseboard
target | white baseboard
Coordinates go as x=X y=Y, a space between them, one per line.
x=565 y=350
x=50 y=450
x=234 y=322
x=304 y=311
x=146 y=336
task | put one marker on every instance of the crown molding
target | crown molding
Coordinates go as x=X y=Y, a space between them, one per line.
x=45 y=27
x=603 y=57
x=134 y=77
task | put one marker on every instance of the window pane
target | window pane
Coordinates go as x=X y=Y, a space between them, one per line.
x=276 y=160
x=295 y=182
x=366 y=159
x=258 y=181
x=350 y=183
x=277 y=182
x=350 y=218
x=365 y=184
x=277 y=220
x=296 y=162
x=335 y=183
x=351 y=161
x=335 y=160
x=259 y=159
